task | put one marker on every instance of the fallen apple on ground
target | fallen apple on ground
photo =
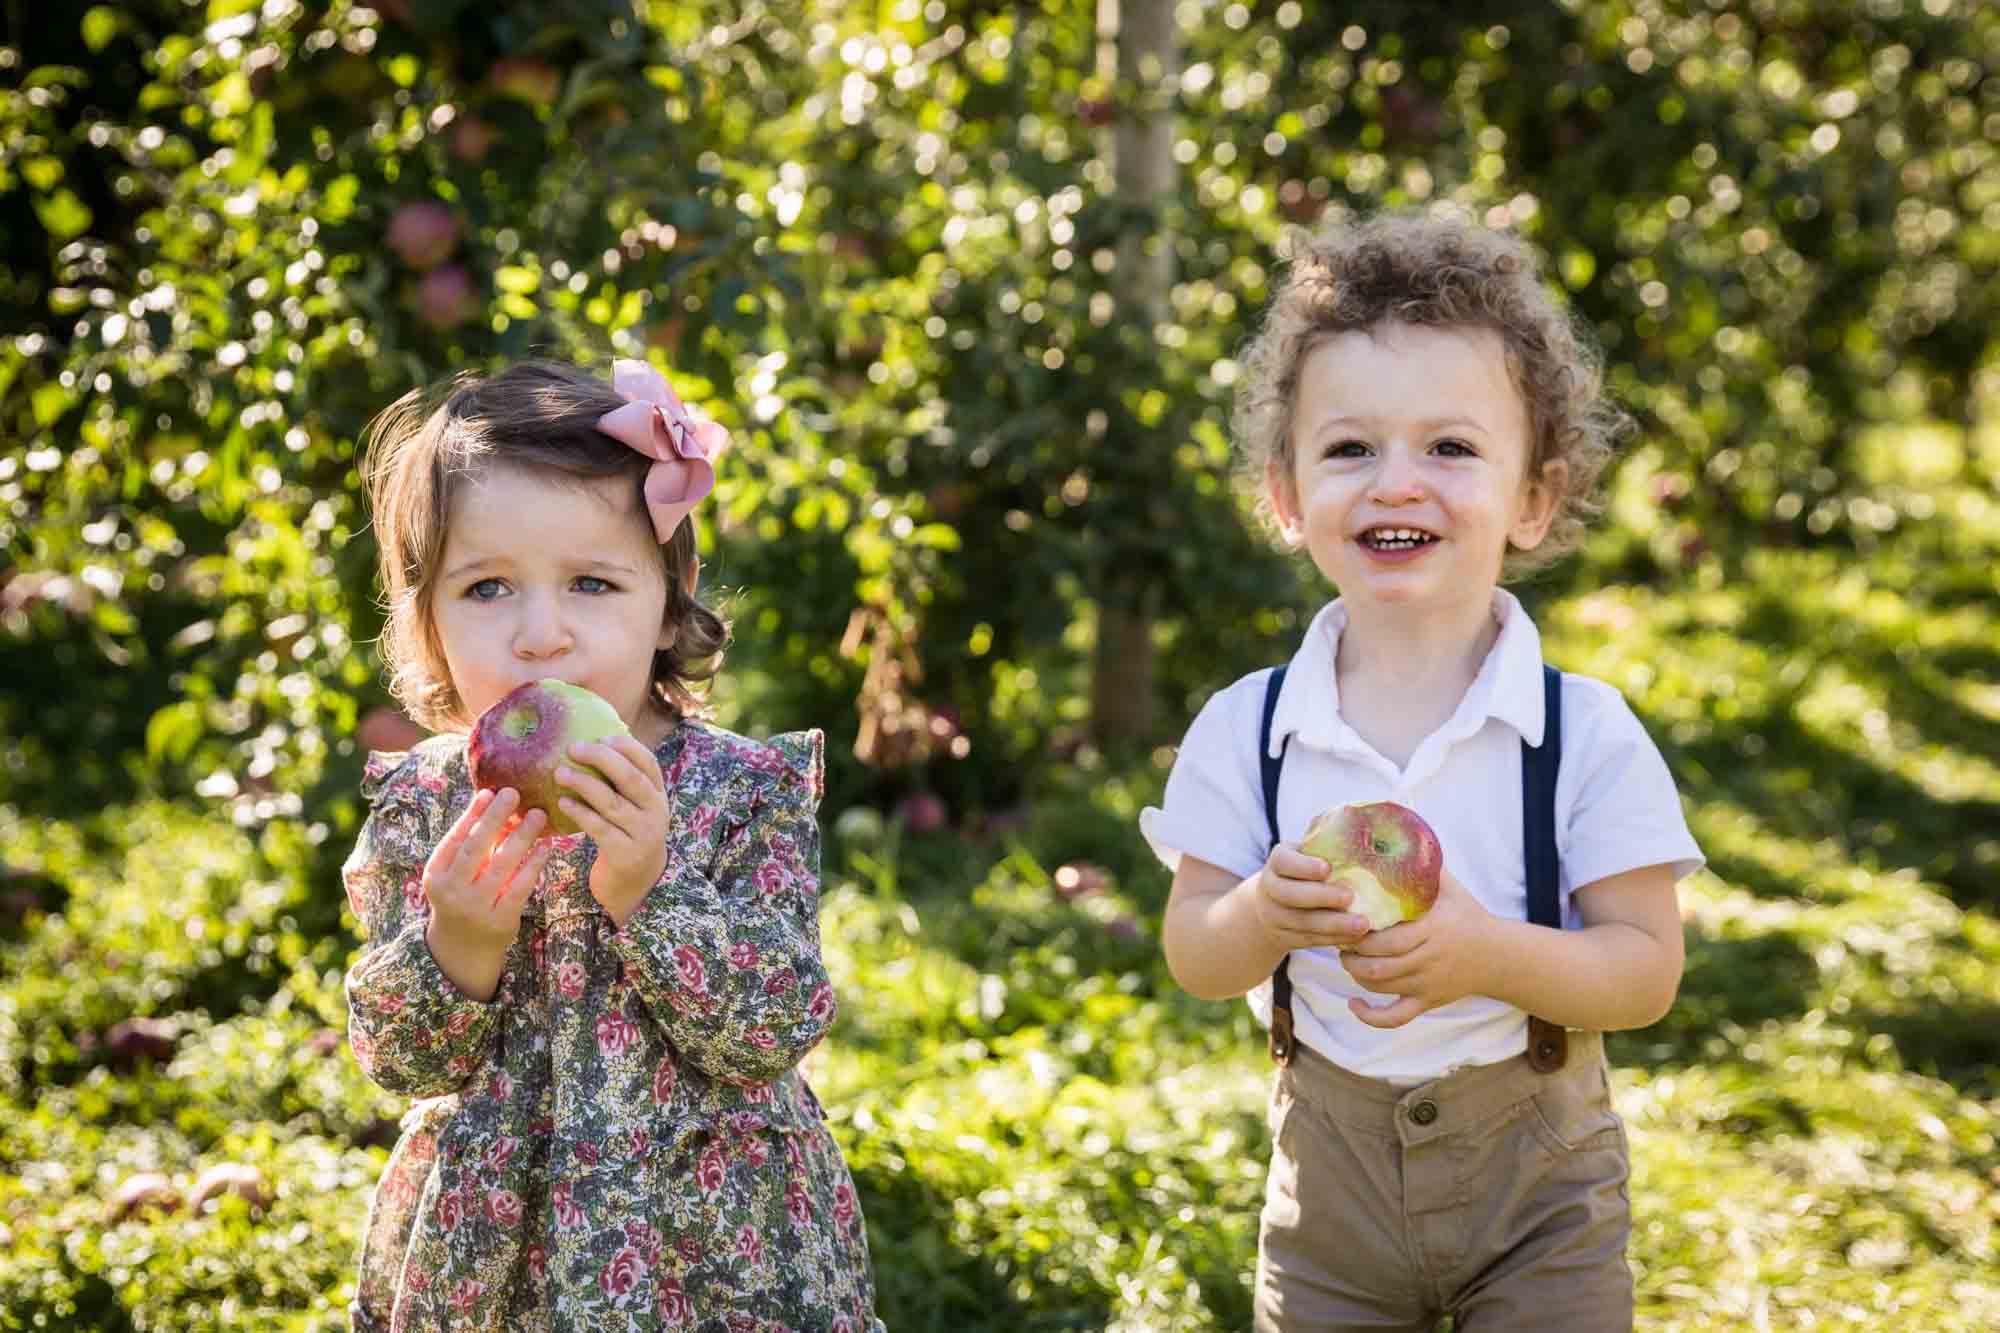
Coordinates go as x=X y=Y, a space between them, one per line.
x=1384 y=853
x=521 y=740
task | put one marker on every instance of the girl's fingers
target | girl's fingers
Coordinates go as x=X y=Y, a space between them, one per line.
x=596 y=825
x=585 y=785
x=644 y=760
x=511 y=893
x=454 y=840
x=623 y=766
x=512 y=850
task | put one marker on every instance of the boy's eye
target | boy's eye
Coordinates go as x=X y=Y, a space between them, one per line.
x=1347 y=449
x=485 y=590
x=1455 y=448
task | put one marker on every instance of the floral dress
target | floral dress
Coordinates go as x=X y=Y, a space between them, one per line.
x=620 y=1139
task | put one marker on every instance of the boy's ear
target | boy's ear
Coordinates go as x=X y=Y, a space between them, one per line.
x=1538 y=506
x=1283 y=503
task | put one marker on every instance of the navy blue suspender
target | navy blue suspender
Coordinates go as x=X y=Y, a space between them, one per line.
x=1548 y=1044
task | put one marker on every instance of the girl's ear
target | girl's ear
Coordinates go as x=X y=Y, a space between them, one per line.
x=1538 y=506
x=1279 y=487
x=670 y=631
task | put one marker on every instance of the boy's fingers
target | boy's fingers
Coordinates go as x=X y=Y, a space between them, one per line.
x=1292 y=863
x=1309 y=895
x=1390 y=941
x=1387 y=1015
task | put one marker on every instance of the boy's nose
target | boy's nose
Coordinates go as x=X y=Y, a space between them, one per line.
x=1398 y=479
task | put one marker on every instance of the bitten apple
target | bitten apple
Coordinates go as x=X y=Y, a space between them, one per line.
x=521 y=740
x=1384 y=853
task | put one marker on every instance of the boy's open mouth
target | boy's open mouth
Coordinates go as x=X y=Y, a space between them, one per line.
x=1396 y=539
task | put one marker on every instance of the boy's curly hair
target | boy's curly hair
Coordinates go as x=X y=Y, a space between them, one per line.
x=537 y=415
x=1434 y=270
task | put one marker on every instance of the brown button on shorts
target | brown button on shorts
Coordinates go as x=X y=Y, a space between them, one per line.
x=1496 y=1195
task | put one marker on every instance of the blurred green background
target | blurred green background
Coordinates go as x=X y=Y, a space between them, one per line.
x=966 y=282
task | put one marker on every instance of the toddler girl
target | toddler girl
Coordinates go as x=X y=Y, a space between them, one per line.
x=1422 y=421
x=602 y=1030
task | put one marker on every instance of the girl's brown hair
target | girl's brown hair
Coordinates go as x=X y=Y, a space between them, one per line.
x=1439 y=271
x=537 y=415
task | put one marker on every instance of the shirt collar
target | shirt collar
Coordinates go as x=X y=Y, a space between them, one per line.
x=1507 y=688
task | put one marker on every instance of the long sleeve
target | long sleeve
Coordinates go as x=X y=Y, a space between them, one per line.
x=412 y=1031
x=726 y=955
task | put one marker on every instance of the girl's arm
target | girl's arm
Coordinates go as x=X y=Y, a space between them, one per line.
x=412 y=1030
x=728 y=958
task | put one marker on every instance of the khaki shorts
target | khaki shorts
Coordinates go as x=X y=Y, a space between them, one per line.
x=1495 y=1195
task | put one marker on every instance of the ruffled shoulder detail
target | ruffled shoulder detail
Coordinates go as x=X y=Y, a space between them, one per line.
x=786 y=772
x=416 y=775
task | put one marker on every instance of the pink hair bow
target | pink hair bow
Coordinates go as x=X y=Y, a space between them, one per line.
x=684 y=447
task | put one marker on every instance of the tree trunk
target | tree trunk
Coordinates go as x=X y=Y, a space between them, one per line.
x=1148 y=67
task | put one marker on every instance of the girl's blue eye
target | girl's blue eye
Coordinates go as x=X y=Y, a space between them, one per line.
x=485 y=590
x=602 y=586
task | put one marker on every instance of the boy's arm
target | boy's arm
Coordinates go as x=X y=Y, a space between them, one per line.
x=1621 y=970
x=1222 y=935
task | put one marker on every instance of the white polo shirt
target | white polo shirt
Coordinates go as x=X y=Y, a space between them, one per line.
x=1616 y=810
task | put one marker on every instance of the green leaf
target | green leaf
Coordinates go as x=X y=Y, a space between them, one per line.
x=173 y=732
x=100 y=24
x=63 y=215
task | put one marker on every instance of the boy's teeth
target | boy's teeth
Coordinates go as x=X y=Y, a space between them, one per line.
x=1397 y=537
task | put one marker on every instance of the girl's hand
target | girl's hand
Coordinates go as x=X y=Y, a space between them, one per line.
x=626 y=817
x=1298 y=909
x=1428 y=962
x=478 y=879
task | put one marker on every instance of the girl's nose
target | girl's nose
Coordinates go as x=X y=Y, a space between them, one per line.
x=540 y=631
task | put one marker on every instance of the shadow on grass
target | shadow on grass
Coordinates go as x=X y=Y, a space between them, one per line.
x=1958 y=1043
x=1744 y=981
x=923 y=1280
x=1871 y=813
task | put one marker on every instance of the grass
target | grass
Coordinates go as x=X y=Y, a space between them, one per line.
x=1047 y=1133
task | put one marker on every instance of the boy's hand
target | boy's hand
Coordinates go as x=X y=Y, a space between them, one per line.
x=1298 y=909
x=626 y=817
x=1428 y=962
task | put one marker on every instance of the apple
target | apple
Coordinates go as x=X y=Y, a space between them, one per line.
x=526 y=78
x=148 y=1191
x=1384 y=853
x=446 y=297
x=246 y=1182
x=922 y=812
x=423 y=234
x=520 y=741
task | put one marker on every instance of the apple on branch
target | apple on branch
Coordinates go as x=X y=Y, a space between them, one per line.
x=1384 y=853
x=520 y=741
